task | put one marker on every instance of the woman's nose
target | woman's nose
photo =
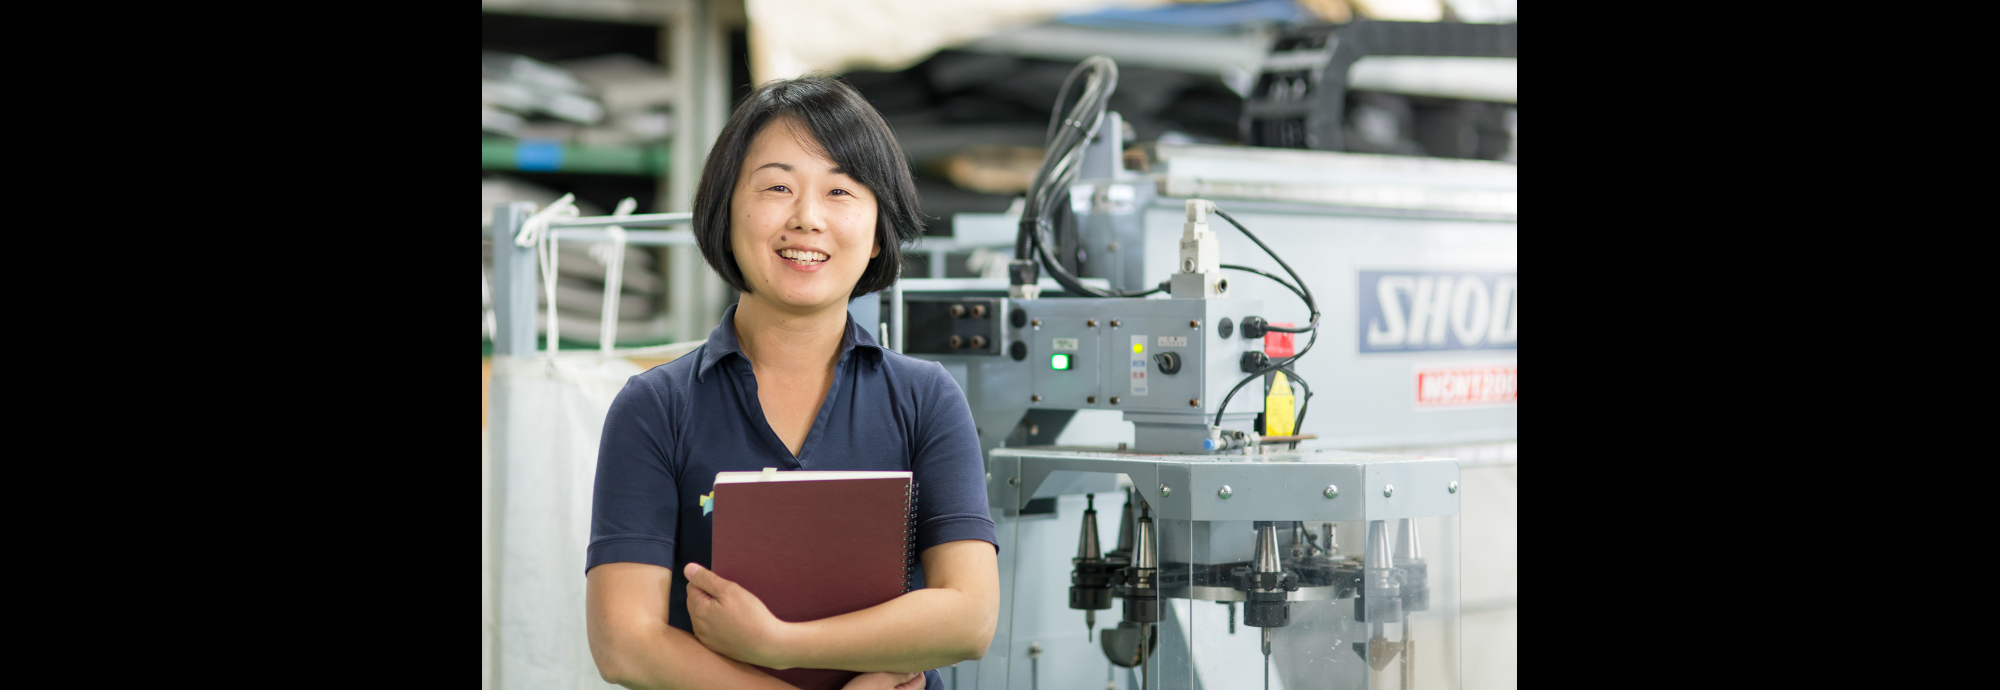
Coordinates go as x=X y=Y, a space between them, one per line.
x=807 y=215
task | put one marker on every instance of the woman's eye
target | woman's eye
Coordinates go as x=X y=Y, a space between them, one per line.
x=840 y=191
x=780 y=188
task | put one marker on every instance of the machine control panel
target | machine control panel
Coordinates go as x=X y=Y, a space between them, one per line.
x=1133 y=355
x=953 y=325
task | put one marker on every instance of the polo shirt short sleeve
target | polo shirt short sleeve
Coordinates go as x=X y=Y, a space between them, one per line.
x=675 y=426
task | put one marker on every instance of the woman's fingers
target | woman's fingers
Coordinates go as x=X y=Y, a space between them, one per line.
x=706 y=580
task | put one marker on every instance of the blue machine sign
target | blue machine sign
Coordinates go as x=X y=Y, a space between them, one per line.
x=1416 y=311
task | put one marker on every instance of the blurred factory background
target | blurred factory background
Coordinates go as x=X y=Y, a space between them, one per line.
x=609 y=100
x=581 y=97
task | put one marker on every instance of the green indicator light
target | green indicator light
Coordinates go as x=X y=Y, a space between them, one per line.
x=1059 y=362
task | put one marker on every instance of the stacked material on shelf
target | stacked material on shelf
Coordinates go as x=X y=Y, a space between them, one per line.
x=638 y=99
x=609 y=100
x=514 y=88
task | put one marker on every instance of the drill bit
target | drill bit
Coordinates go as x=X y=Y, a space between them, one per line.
x=1409 y=680
x=1089 y=625
x=1267 y=659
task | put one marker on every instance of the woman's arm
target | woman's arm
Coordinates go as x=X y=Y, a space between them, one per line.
x=951 y=620
x=626 y=616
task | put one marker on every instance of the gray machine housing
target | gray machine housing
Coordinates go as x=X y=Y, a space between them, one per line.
x=1128 y=226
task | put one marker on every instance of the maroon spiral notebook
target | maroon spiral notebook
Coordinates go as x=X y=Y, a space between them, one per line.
x=815 y=544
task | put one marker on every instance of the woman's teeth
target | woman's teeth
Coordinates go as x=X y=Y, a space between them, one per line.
x=800 y=256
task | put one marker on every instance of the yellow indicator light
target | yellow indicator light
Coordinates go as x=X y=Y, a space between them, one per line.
x=1138 y=348
x=1059 y=362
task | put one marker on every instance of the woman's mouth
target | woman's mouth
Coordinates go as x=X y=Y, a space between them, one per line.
x=803 y=257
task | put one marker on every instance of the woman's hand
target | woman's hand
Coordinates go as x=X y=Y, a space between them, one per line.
x=733 y=622
x=886 y=681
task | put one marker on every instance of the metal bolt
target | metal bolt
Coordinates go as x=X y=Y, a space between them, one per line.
x=1090 y=322
x=1034 y=649
x=1166 y=491
x=1114 y=323
x=1034 y=429
x=1194 y=402
x=1114 y=400
x=1224 y=492
x=1222 y=286
x=957 y=310
x=979 y=311
x=1035 y=398
x=1090 y=399
x=978 y=341
x=956 y=342
x=1454 y=487
x=1388 y=490
x=1194 y=323
x=1332 y=491
x=1035 y=322
x=1013 y=481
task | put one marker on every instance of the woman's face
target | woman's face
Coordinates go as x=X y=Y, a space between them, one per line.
x=803 y=231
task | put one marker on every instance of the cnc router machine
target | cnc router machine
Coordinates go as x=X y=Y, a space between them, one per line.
x=1239 y=559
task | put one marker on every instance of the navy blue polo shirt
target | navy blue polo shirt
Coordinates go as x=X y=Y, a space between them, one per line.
x=674 y=427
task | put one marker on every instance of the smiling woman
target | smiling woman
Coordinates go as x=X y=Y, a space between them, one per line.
x=813 y=136
x=804 y=204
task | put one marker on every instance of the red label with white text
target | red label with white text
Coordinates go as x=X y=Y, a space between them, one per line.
x=1458 y=386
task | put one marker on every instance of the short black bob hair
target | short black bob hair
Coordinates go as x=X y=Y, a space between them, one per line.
x=852 y=135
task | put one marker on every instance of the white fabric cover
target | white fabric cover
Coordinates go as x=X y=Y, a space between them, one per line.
x=546 y=418
x=789 y=38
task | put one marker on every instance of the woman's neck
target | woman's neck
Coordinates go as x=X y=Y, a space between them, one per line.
x=779 y=340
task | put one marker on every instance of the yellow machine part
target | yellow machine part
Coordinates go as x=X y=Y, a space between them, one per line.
x=1278 y=408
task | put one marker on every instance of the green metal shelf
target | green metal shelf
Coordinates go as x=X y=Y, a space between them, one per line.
x=548 y=156
x=566 y=344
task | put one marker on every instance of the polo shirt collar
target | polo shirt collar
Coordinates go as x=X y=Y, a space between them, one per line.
x=722 y=342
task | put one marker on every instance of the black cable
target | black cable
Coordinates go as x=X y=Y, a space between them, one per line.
x=1267 y=274
x=1066 y=139
x=1063 y=145
x=1298 y=287
x=1305 y=291
x=1275 y=365
x=1299 y=420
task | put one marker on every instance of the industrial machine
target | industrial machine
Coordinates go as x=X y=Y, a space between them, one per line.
x=1240 y=560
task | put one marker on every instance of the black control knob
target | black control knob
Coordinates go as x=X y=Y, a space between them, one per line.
x=1168 y=362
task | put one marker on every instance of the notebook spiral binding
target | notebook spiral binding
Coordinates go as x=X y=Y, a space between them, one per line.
x=910 y=539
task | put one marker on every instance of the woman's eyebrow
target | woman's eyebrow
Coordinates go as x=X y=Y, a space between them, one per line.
x=787 y=167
